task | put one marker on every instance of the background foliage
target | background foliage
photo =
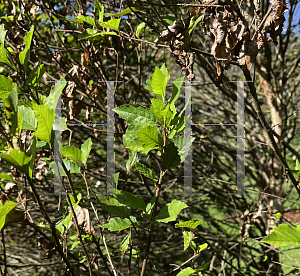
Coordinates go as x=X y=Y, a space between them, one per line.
x=73 y=47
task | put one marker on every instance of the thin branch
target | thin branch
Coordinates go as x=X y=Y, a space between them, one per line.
x=4 y=253
x=97 y=244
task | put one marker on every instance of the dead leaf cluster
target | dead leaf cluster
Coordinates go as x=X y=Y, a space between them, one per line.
x=228 y=27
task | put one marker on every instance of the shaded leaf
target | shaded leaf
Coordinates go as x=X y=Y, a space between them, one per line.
x=114 y=206
x=171 y=156
x=145 y=171
x=6 y=86
x=134 y=201
x=3 y=57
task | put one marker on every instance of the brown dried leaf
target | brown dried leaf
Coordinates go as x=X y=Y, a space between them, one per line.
x=193 y=10
x=70 y=91
x=85 y=59
x=180 y=45
x=273 y=24
x=50 y=253
x=248 y=54
x=33 y=10
x=83 y=219
x=74 y=73
x=218 y=29
x=219 y=73
x=167 y=35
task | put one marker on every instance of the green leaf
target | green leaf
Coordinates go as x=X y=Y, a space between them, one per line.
x=138 y=115
x=178 y=125
x=158 y=108
x=132 y=141
x=78 y=20
x=7 y=177
x=134 y=201
x=158 y=81
x=70 y=165
x=186 y=272
x=116 y=178
x=170 y=113
x=277 y=215
x=145 y=171
x=132 y=159
x=123 y=12
x=72 y=153
x=118 y=224
x=183 y=147
x=187 y=238
x=35 y=75
x=149 y=208
x=11 y=109
x=283 y=235
x=194 y=24
x=171 y=211
x=169 y=19
x=139 y=28
x=188 y=224
x=45 y=119
x=4 y=59
x=6 y=86
x=297 y=167
x=99 y=10
x=9 y=215
x=31 y=152
x=193 y=246
x=25 y=54
x=201 y=247
x=55 y=92
x=85 y=150
x=29 y=119
x=149 y=137
x=111 y=24
x=115 y=206
x=125 y=243
x=12 y=99
x=18 y=159
x=2 y=33
x=20 y=122
x=176 y=85
x=75 y=243
x=90 y=33
x=171 y=156
x=87 y=19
